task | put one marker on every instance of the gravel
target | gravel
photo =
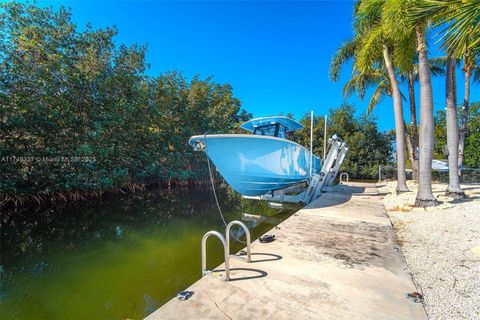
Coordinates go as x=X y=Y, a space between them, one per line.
x=441 y=246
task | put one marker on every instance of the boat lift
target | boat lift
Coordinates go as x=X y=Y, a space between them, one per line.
x=317 y=181
x=333 y=161
x=338 y=162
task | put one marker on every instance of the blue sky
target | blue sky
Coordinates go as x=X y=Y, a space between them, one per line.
x=276 y=55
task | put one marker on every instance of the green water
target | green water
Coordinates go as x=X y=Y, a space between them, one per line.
x=116 y=259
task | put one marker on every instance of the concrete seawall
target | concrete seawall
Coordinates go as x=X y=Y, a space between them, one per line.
x=337 y=258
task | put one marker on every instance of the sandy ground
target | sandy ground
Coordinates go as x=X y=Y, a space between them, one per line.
x=441 y=246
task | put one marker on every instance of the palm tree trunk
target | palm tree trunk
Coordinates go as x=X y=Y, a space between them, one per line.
x=413 y=130
x=464 y=118
x=454 y=190
x=425 y=196
x=408 y=140
x=399 y=124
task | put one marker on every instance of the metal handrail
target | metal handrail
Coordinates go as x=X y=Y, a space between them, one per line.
x=343 y=174
x=247 y=232
x=225 y=250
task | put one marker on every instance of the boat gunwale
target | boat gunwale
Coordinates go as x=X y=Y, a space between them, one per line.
x=241 y=135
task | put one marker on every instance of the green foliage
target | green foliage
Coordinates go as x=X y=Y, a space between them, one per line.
x=81 y=114
x=459 y=21
x=472 y=139
x=440 y=135
x=344 y=53
x=368 y=147
x=472 y=136
x=379 y=24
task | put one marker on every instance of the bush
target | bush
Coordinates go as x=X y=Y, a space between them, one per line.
x=368 y=148
x=78 y=113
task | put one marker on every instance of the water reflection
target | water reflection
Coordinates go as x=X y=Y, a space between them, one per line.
x=119 y=258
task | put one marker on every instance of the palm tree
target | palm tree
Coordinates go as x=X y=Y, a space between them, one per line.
x=425 y=139
x=463 y=26
x=453 y=189
x=461 y=39
x=380 y=80
x=471 y=69
x=437 y=67
x=369 y=48
x=397 y=57
x=413 y=129
x=398 y=16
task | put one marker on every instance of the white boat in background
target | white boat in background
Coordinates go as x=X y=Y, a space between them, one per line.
x=258 y=163
x=439 y=165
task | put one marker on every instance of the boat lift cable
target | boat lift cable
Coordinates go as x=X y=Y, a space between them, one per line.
x=213 y=188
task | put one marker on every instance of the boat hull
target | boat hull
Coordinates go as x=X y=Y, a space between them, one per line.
x=255 y=165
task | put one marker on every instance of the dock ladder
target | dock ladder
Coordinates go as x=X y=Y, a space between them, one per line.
x=226 y=249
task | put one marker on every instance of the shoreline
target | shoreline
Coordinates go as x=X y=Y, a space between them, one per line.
x=10 y=203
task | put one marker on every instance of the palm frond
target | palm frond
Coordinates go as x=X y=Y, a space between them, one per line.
x=344 y=53
x=404 y=52
x=370 y=49
x=422 y=11
x=367 y=15
x=463 y=31
x=476 y=75
x=381 y=91
x=360 y=82
x=438 y=65
x=349 y=88
x=395 y=22
x=357 y=84
x=459 y=19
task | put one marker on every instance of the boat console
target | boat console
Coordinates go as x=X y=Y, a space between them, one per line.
x=274 y=130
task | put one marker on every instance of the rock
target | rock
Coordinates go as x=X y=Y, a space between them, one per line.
x=475 y=251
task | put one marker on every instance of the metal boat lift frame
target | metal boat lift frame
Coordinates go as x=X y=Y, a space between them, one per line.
x=331 y=165
x=338 y=162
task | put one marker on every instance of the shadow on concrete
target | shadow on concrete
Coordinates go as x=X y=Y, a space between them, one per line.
x=251 y=273
x=337 y=195
x=274 y=257
x=343 y=188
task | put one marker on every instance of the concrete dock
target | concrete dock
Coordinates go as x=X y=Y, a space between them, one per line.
x=337 y=258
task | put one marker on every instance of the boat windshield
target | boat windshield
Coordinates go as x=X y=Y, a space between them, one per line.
x=272 y=126
x=274 y=130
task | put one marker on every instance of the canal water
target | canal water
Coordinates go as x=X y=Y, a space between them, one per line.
x=120 y=258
